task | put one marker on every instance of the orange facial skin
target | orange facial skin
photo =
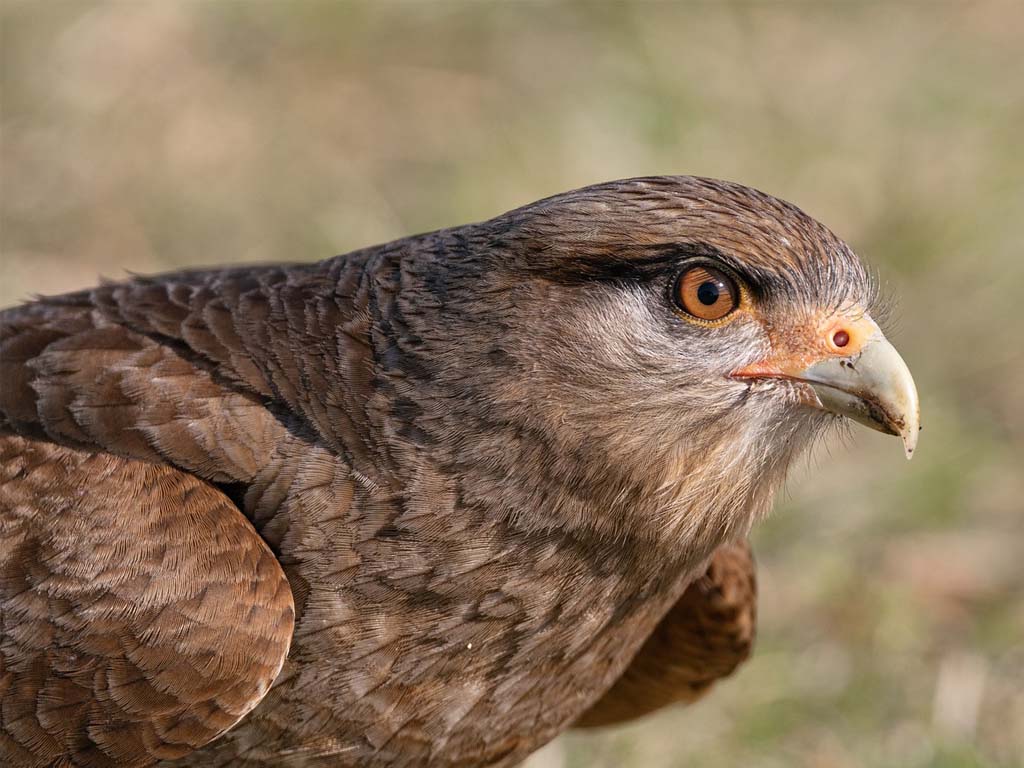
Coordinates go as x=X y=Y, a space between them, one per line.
x=795 y=348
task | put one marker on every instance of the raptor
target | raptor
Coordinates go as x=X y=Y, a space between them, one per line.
x=427 y=503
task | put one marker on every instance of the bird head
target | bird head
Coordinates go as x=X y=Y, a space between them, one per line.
x=658 y=350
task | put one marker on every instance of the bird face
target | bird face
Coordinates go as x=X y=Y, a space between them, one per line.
x=683 y=339
x=835 y=359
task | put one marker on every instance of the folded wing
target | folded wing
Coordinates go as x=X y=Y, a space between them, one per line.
x=140 y=614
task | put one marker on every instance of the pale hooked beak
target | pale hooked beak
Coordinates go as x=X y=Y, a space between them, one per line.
x=864 y=379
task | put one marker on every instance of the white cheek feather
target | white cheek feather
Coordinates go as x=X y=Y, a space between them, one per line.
x=686 y=456
x=715 y=492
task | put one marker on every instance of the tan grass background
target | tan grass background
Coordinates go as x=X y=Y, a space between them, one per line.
x=144 y=136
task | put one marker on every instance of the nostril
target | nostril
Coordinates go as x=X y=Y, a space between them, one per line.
x=840 y=338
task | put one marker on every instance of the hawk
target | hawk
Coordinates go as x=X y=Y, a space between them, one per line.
x=428 y=503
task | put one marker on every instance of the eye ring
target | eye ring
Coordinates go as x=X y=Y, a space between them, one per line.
x=705 y=293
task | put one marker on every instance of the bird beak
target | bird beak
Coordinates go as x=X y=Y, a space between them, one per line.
x=864 y=379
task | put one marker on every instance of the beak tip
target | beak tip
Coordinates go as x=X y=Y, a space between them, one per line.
x=909 y=435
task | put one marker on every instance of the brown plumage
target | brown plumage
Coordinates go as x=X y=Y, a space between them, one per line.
x=425 y=503
x=703 y=638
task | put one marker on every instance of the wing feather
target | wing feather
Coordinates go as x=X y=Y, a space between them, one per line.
x=140 y=614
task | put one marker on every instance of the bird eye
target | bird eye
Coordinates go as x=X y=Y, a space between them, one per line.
x=706 y=293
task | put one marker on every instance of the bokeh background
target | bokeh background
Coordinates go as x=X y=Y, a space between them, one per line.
x=147 y=135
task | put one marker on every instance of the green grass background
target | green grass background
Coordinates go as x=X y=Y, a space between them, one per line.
x=149 y=135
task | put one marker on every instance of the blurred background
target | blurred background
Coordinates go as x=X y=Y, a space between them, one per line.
x=147 y=136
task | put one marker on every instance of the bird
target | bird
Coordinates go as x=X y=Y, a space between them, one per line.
x=428 y=503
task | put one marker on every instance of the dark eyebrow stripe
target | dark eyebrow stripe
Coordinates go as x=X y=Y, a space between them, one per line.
x=630 y=262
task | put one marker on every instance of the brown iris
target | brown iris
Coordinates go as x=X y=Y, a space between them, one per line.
x=706 y=293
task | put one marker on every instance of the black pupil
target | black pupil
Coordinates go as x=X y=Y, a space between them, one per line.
x=708 y=293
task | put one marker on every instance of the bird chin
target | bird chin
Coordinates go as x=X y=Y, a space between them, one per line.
x=793 y=402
